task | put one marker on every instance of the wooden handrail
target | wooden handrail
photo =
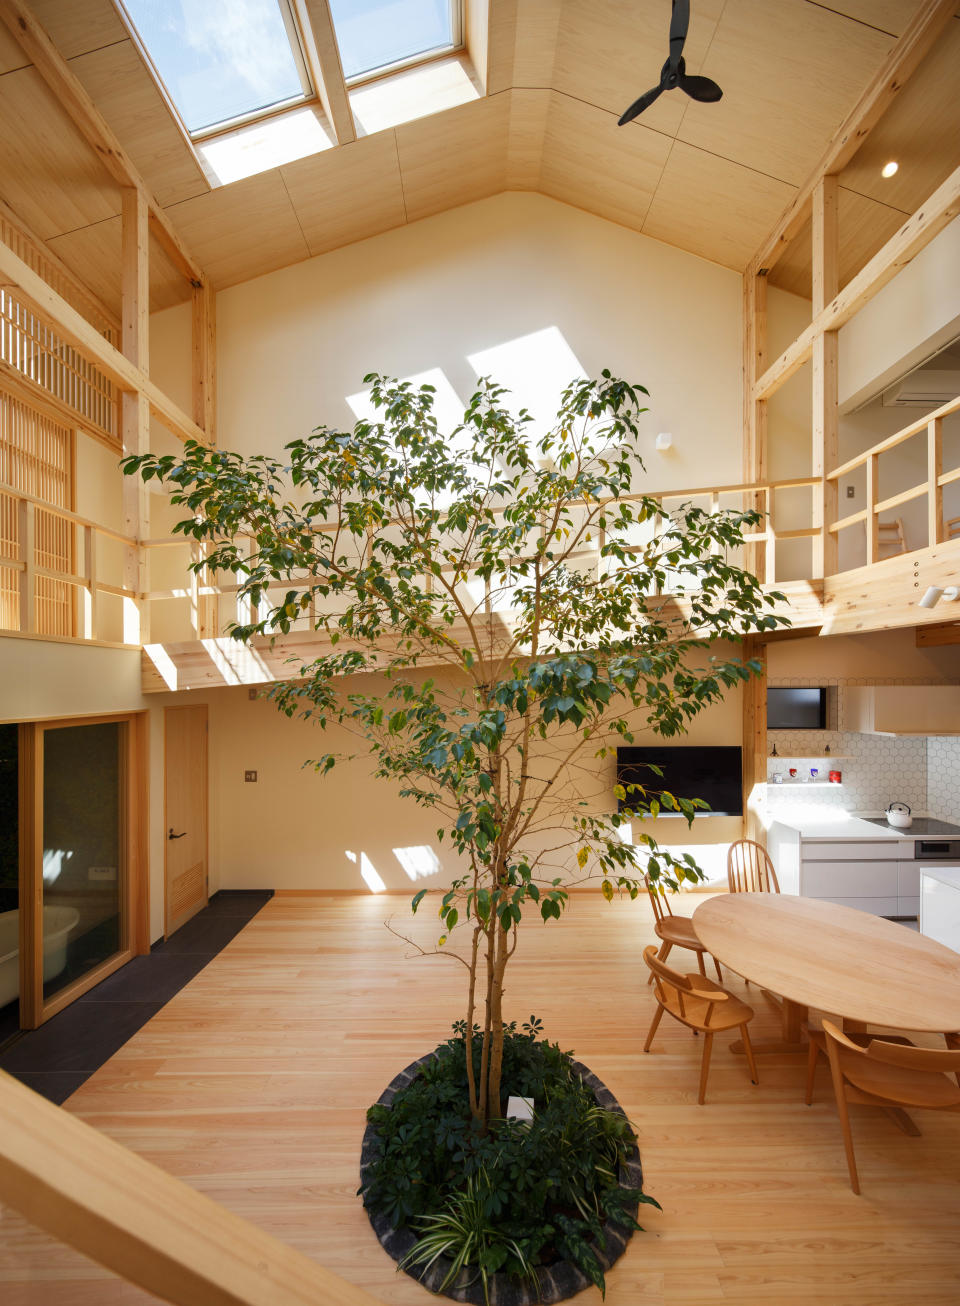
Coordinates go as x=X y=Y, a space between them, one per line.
x=898 y=437
x=142 y=1223
x=66 y=514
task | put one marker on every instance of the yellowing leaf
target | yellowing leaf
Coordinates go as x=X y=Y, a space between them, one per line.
x=582 y=856
x=607 y=890
x=441 y=941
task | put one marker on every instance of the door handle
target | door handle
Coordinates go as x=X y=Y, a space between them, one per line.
x=171 y=835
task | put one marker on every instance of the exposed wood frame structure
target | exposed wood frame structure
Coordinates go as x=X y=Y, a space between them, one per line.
x=848 y=599
x=326 y=68
x=142 y=1223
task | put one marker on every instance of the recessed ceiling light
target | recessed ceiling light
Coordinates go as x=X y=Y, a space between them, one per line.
x=889 y=169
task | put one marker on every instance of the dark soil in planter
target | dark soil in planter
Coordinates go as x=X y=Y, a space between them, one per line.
x=557 y=1281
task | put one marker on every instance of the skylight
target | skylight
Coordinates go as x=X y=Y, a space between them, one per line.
x=374 y=35
x=223 y=60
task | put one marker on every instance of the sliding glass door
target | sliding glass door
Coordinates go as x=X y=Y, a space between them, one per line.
x=82 y=865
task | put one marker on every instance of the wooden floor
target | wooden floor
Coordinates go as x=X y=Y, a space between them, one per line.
x=252 y=1084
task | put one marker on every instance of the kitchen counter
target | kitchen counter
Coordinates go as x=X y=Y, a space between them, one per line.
x=842 y=826
x=940 y=904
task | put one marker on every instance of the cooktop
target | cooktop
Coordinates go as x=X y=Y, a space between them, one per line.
x=922 y=827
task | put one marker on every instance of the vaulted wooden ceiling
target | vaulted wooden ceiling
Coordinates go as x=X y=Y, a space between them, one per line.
x=709 y=178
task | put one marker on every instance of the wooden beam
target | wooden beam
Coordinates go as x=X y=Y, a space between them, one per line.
x=915 y=234
x=69 y=91
x=939 y=635
x=872 y=519
x=143 y=1224
x=77 y=331
x=326 y=67
x=826 y=244
x=917 y=40
x=204 y=335
x=886 y=595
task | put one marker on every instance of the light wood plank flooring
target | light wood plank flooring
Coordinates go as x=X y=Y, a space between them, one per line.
x=252 y=1085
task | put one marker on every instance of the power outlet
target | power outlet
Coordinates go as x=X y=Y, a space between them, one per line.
x=850 y=491
x=250 y=777
x=101 y=873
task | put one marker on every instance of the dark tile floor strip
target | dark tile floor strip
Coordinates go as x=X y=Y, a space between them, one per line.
x=55 y=1059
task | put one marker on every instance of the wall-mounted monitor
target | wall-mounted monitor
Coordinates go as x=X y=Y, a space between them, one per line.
x=796 y=709
x=713 y=774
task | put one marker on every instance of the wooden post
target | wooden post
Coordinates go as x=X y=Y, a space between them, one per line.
x=27 y=534
x=134 y=407
x=90 y=605
x=826 y=284
x=754 y=410
x=754 y=735
x=204 y=335
x=872 y=522
x=770 y=551
x=934 y=488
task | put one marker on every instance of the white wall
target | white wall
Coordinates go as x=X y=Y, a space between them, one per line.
x=912 y=317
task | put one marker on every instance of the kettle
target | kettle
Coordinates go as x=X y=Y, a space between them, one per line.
x=898 y=815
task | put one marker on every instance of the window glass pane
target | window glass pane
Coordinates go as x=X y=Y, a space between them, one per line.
x=219 y=59
x=374 y=33
x=82 y=850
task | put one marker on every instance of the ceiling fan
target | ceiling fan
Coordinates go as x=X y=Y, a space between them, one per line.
x=674 y=71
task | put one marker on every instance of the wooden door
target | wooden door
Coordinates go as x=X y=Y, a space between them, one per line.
x=185 y=813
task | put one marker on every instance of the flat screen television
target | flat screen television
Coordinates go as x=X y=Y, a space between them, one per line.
x=796 y=709
x=713 y=774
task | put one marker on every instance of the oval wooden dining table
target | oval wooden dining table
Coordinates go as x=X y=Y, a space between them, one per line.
x=865 y=969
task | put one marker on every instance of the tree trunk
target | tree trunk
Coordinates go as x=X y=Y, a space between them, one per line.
x=471 y=1008
x=496 y=1027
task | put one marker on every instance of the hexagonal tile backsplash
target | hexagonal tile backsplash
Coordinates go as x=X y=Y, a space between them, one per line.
x=925 y=773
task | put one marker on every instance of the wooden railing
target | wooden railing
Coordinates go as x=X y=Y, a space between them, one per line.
x=931 y=487
x=143 y=1224
x=21 y=613
x=33 y=348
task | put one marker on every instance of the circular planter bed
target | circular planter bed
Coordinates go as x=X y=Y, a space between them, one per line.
x=556 y=1281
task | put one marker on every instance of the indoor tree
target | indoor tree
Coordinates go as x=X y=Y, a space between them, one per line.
x=508 y=589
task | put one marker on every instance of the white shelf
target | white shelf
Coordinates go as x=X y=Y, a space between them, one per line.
x=806 y=784
x=811 y=757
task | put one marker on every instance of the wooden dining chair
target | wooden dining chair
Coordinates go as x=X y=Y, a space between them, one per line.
x=674 y=931
x=749 y=868
x=887 y=1072
x=702 y=1006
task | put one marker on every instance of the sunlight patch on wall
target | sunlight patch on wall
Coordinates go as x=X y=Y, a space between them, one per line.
x=164 y=663
x=419 y=861
x=371 y=877
x=534 y=368
x=263 y=145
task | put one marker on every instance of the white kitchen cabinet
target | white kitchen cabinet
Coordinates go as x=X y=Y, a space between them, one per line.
x=902 y=709
x=852 y=873
x=908 y=888
x=940 y=905
x=875 y=906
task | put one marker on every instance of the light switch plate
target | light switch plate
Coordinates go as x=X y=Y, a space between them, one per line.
x=250 y=777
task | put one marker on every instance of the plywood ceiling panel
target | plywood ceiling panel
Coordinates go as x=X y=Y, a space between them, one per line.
x=591 y=162
x=344 y=195
x=527 y=134
x=125 y=93
x=921 y=131
x=454 y=157
x=888 y=15
x=864 y=227
x=79 y=26
x=538 y=23
x=11 y=53
x=714 y=208
x=790 y=72
x=48 y=173
x=609 y=53
x=242 y=230
x=93 y=254
x=501 y=44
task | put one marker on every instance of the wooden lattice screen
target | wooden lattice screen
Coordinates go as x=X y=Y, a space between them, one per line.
x=36 y=458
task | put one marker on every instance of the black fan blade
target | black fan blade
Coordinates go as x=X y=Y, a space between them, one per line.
x=700 y=88
x=679 y=26
x=638 y=106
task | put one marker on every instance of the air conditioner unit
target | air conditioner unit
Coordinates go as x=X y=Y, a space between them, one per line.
x=926 y=388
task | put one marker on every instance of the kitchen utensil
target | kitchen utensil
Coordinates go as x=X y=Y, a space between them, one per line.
x=836 y=777
x=899 y=816
x=814 y=772
x=793 y=773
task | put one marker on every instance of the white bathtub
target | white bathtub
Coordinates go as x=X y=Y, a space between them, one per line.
x=57 y=925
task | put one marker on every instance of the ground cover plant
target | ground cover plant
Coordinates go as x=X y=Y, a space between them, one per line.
x=515 y=1197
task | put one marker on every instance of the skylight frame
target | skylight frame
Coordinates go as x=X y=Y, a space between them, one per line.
x=456 y=44
x=295 y=40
